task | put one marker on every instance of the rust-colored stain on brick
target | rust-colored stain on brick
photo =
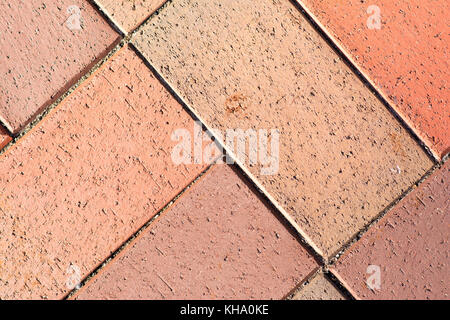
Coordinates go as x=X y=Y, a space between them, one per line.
x=44 y=47
x=259 y=64
x=407 y=58
x=5 y=138
x=409 y=246
x=129 y=14
x=319 y=288
x=219 y=241
x=81 y=182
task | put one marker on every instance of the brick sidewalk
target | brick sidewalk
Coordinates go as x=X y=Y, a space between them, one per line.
x=207 y=149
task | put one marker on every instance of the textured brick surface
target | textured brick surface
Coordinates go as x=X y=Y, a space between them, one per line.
x=82 y=181
x=343 y=157
x=218 y=241
x=410 y=245
x=5 y=138
x=319 y=288
x=129 y=14
x=407 y=58
x=40 y=56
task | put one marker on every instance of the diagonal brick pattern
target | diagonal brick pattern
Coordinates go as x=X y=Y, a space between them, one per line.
x=409 y=246
x=84 y=180
x=241 y=251
x=339 y=146
x=403 y=48
x=120 y=190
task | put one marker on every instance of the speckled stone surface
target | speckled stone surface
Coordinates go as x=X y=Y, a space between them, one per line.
x=319 y=288
x=218 y=241
x=43 y=51
x=129 y=14
x=407 y=58
x=82 y=181
x=343 y=157
x=410 y=245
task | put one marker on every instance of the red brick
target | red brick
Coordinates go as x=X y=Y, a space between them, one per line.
x=41 y=57
x=129 y=14
x=407 y=59
x=410 y=245
x=219 y=241
x=5 y=138
x=343 y=157
x=84 y=179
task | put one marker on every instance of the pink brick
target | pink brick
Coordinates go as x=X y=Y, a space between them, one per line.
x=41 y=57
x=219 y=241
x=409 y=245
x=87 y=177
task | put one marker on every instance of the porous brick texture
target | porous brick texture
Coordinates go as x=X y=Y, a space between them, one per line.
x=319 y=288
x=128 y=14
x=407 y=58
x=408 y=247
x=45 y=46
x=219 y=241
x=86 y=178
x=245 y=64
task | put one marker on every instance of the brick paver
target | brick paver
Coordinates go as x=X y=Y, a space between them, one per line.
x=259 y=64
x=409 y=245
x=319 y=288
x=219 y=241
x=82 y=181
x=407 y=58
x=43 y=50
x=129 y=14
x=5 y=138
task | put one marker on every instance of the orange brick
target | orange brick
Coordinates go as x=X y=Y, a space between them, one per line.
x=88 y=176
x=407 y=58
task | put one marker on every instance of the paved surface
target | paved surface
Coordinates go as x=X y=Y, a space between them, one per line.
x=45 y=46
x=319 y=288
x=404 y=52
x=129 y=14
x=338 y=142
x=336 y=194
x=236 y=236
x=410 y=245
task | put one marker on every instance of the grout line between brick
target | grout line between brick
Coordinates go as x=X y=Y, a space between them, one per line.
x=351 y=63
x=305 y=240
x=335 y=281
x=384 y=212
x=108 y=17
x=135 y=235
